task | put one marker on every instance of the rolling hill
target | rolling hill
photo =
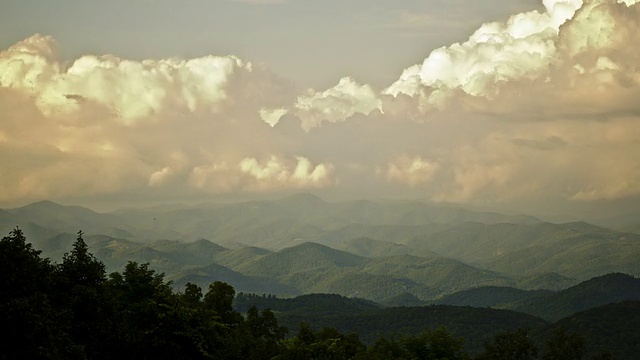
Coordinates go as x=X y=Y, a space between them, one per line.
x=612 y=327
x=358 y=248
x=595 y=292
x=489 y=296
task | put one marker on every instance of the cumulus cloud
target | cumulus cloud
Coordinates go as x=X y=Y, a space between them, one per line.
x=521 y=47
x=131 y=90
x=116 y=124
x=541 y=106
x=411 y=170
x=277 y=173
x=253 y=174
x=272 y=116
x=336 y=104
x=570 y=69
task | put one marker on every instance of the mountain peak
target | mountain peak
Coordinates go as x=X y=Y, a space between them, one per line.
x=43 y=204
x=611 y=281
x=302 y=199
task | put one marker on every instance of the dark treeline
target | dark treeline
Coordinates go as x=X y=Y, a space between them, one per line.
x=74 y=310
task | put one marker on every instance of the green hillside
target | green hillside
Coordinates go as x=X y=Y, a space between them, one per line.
x=612 y=327
x=476 y=325
x=203 y=276
x=545 y=281
x=304 y=257
x=236 y=257
x=489 y=296
x=443 y=274
x=595 y=292
x=373 y=248
x=379 y=288
x=378 y=250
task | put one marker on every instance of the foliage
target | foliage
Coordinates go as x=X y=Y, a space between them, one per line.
x=32 y=326
x=327 y=343
x=598 y=291
x=510 y=346
x=564 y=346
x=438 y=344
x=73 y=310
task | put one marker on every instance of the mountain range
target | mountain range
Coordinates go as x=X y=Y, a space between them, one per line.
x=382 y=251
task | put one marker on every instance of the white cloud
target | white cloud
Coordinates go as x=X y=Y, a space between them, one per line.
x=542 y=106
x=272 y=116
x=159 y=177
x=522 y=47
x=130 y=90
x=412 y=171
x=156 y=118
x=336 y=104
x=254 y=175
x=277 y=173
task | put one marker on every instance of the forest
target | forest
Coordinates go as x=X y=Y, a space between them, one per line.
x=75 y=310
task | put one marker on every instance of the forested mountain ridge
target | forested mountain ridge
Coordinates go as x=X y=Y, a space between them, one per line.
x=302 y=244
x=598 y=291
x=550 y=305
x=72 y=309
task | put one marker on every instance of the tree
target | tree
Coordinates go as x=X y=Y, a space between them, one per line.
x=387 y=349
x=30 y=324
x=430 y=345
x=603 y=355
x=564 y=346
x=510 y=346
x=219 y=298
x=148 y=323
x=23 y=271
x=81 y=293
x=327 y=343
x=192 y=295
x=82 y=268
x=263 y=335
x=435 y=345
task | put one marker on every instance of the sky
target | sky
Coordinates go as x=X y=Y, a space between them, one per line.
x=524 y=105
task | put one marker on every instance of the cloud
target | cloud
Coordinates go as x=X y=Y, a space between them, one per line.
x=336 y=104
x=252 y=174
x=540 y=107
x=131 y=90
x=272 y=116
x=412 y=171
x=522 y=47
x=120 y=124
x=276 y=173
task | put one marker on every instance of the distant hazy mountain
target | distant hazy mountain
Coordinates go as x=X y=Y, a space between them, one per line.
x=355 y=283
x=489 y=296
x=595 y=292
x=203 y=276
x=234 y=258
x=379 y=250
x=577 y=250
x=545 y=281
x=443 y=274
x=301 y=258
x=627 y=223
x=64 y=219
x=372 y=248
